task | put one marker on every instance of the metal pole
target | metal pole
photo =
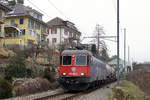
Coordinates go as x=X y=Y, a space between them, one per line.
x=118 y=69
x=124 y=51
x=128 y=56
x=98 y=40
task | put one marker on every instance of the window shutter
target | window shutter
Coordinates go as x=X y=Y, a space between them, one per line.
x=47 y=31
x=55 y=30
x=48 y=41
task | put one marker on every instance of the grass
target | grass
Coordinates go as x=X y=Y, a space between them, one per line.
x=127 y=91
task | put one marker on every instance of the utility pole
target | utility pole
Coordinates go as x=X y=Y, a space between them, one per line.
x=124 y=51
x=118 y=23
x=98 y=40
x=128 y=54
x=125 y=47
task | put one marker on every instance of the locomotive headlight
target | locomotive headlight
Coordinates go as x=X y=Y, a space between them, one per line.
x=64 y=74
x=82 y=74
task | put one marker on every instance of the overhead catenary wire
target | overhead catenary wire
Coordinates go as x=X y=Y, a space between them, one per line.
x=39 y=8
x=51 y=3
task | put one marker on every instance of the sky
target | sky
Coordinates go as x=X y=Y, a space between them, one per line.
x=85 y=14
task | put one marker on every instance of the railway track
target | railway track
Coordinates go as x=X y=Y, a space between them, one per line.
x=70 y=96
x=59 y=96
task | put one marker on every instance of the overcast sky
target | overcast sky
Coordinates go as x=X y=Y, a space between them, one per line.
x=134 y=16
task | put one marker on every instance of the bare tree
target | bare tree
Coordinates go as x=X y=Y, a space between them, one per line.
x=102 y=51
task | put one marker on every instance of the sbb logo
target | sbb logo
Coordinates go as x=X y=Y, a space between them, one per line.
x=73 y=69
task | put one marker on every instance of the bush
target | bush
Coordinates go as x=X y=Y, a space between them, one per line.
x=127 y=91
x=50 y=75
x=5 y=89
x=17 y=67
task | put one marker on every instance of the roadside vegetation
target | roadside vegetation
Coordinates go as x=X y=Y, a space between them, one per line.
x=136 y=86
x=28 y=71
x=127 y=91
x=141 y=77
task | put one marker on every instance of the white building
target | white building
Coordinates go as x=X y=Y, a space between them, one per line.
x=62 y=32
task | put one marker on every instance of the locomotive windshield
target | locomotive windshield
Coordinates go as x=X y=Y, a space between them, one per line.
x=67 y=60
x=80 y=60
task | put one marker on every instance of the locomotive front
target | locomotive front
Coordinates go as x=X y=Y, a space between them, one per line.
x=75 y=69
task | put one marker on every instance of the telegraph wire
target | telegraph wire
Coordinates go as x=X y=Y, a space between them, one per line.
x=39 y=9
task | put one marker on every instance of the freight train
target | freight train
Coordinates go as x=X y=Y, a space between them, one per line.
x=79 y=70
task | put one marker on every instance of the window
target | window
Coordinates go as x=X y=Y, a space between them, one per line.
x=43 y=38
x=0 y=29
x=70 y=34
x=43 y=29
x=37 y=26
x=30 y=32
x=34 y=34
x=12 y=22
x=21 y=20
x=0 y=15
x=65 y=40
x=36 y=15
x=65 y=32
x=67 y=60
x=31 y=24
x=38 y=36
x=80 y=60
x=54 y=40
x=54 y=31
x=23 y=32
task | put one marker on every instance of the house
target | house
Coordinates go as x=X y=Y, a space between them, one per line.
x=3 y=10
x=62 y=32
x=113 y=63
x=24 y=26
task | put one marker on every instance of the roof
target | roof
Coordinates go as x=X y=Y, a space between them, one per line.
x=76 y=52
x=58 y=22
x=21 y=9
x=2 y=6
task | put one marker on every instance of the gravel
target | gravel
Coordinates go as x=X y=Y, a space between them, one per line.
x=37 y=95
x=100 y=94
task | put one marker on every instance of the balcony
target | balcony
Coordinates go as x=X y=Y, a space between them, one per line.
x=75 y=37
x=14 y=24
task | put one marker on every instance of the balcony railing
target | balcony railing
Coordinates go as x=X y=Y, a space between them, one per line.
x=14 y=24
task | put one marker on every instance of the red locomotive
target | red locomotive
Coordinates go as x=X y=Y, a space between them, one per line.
x=79 y=70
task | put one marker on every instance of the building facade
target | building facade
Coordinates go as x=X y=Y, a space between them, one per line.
x=24 y=27
x=61 y=32
x=3 y=10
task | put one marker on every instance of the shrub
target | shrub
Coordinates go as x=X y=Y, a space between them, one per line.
x=17 y=67
x=50 y=75
x=5 y=89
